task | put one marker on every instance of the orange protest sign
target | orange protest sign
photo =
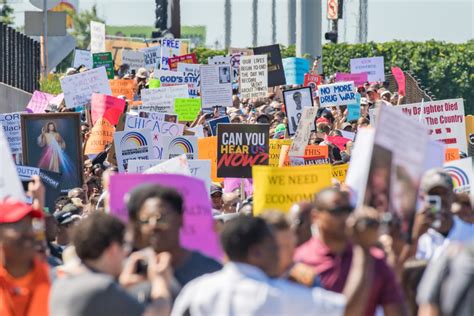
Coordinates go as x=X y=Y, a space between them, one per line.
x=451 y=154
x=102 y=134
x=208 y=151
x=311 y=151
x=124 y=87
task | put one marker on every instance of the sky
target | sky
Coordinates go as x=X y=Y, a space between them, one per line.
x=417 y=20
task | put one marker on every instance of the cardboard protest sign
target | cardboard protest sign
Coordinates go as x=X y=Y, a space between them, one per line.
x=295 y=69
x=312 y=81
x=275 y=149
x=342 y=93
x=78 y=89
x=174 y=146
x=276 y=73
x=186 y=59
x=192 y=76
x=353 y=110
x=213 y=124
x=124 y=87
x=12 y=130
x=107 y=107
x=136 y=144
x=97 y=30
x=303 y=132
x=444 y=118
x=161 y=100
x=170 y=47
x=253 y=76
x=133 y=59
x=104 y=60
x=187 y=108
x=358 y=79
x=373 y=66
x=400 y=78
x=102 y=134
x=152 y=56
x=216 y=85
x=271 y=185
x=295 y=101
x=451 y=154
x=10 y=185
x=198 y=231
x=241 y=146
x=339 y=172
x=208 y=151
x=461 y=172
x=38 y=102
x=82 y=57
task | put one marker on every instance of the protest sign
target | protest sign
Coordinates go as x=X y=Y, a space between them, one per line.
x=208 y=151
x=12 y=130
x=235 y=59
x=97 y=31
x=241 y=146
x=461 y=172
x=186 y=59
x=55 y=103
x=136 y=144
x=353 y=110
x=276 y=73
x=275 y=149
x=253 y=76
x=166 y=117
x=104 y=60
x=213 y=124
x=25 y=173
x=38 y=102
x=154 y=83
x=49 y=179
x=10 y=185
x=339 y=172
x=187 y=108
x=451 y=154
x=152 y=56
x=107 y=107
x=339 y=141
x=358 y=79
x=444 y=118
x=302 y=161
x=133 y=59
x=124 y=87
x=219 y=60
x=161 y=100
x=303 y=132
x=295 y=101
x=197 y=232
x=168 y=78
x=400 y=78
x=82 y=57
x=373 y=66
x=78 y=89
x=102 y=134
x=177 y=145
x=198 y=131
x=295 y=69
x=216 y=85
x=271 y=185
x=192 y=76
x=312 y=81
x=170 y=47
x=342 y=93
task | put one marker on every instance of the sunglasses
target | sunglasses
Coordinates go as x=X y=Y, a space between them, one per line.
x=341 y=210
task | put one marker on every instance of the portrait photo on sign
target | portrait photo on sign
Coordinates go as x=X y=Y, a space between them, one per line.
x=295 y=100
x=224 y=74
x=52 y=142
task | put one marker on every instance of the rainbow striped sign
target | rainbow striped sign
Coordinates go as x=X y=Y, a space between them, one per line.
x=461 y=172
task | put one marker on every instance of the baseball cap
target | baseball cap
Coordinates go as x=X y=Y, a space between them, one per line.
x=68 y=214
x=215 y=189
x=142 y=73
x=436 y=178
x=14 y=211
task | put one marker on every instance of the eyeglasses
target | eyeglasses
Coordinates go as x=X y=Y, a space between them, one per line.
x=341 y=210
x=158 y=219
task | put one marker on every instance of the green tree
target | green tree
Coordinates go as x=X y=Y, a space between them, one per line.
x=6 y=14
x=81 y=28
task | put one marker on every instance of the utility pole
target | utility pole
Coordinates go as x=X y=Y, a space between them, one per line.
x=291 y=22
x=362 y=29
x=175 y=28
x=44 y=41
x=254 y=22
x=274 y=21
x=227 y=22
x=308 y=29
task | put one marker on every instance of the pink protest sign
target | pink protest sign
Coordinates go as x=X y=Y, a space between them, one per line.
x=232 y=184
x=106 y=106
x=400 y=78
x=339 y=141
x=39 y=102
x=197 y=232
x=359 y=79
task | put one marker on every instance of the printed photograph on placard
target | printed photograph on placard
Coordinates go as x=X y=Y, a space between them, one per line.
x=295 y=100
x=53 y=142
x=224 y=74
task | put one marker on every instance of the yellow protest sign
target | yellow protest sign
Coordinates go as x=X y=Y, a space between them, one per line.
x=340 y=171
x=275 y=149
x=102 y=134
x=280 y=187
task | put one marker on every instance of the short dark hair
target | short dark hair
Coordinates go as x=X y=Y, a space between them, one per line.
x=276 y=220
x=140 y=194
x=241 y=233
x=94 y=234
x=61 y=201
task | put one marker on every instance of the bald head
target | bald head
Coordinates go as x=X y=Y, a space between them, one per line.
x=328 y=198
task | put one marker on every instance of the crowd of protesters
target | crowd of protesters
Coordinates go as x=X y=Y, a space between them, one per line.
x=321 y=258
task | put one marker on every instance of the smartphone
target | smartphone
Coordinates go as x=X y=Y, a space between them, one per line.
x=434 y=201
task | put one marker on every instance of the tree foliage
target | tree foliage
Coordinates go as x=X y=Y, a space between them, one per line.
x=6 y=14
x=81 y=29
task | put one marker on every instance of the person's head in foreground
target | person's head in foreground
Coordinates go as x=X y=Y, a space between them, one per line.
x=300 y=218
x=463 y=207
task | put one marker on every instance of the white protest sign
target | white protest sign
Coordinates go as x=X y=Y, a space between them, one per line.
x=175 y=146
x=129 y=145
x=192 y=76
x=12 y=128
x=78 y=89
x=462 y=174
x=341 y=93
x=219 y=60
x=444 y=118
x=198 y=131
x=169 y=48
x=303 y=132
x=373 y=66
x=152 y=56
x=161 y=100
x=295 y=101
x=253 y=76
x=216 y=86
x=134 y=59
x=97 y=37
x=25 y=173
x=82 y=57
x=168 y=117
x=169 y=78
x=10 y=184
